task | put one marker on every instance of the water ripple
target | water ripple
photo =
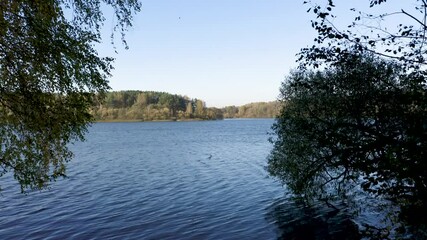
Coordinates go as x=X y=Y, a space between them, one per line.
x=177 y=180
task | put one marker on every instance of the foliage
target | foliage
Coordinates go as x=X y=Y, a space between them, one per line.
x=50 y=74
x=361 y=122
x=252 y=110
x=151 y=106
x=371 y=31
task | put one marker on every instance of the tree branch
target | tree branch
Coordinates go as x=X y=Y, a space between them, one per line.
x=416 y=19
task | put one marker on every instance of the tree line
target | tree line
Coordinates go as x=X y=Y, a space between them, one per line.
x=152 y=106
x=252 y=110
x=158 y=106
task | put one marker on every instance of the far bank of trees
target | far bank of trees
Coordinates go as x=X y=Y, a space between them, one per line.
x=158 y=106
x=152 y=106
x=252 y=110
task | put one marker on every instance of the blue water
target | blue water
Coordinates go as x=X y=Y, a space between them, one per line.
x=165 y=180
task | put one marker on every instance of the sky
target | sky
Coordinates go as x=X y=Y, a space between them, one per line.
x=225 y=52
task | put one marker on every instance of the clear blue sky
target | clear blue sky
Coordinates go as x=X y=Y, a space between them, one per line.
x=225 y=52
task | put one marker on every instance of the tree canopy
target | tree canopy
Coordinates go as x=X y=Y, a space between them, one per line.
x=359 y=121
x=50 y=75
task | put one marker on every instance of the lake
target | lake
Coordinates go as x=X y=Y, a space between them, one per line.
x=168 y=180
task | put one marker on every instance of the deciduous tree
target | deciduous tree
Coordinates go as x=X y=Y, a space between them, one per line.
x=50 y=74
x=361 y=121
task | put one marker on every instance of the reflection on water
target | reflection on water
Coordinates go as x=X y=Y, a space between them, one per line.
x=296 y=220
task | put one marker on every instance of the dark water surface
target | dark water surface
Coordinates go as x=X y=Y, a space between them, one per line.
x=166 y=180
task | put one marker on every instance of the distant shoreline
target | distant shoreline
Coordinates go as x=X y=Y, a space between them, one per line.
x=166 y=120
x=138 y=106
x=171 y=120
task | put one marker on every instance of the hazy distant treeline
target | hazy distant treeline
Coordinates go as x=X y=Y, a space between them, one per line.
x=252 y=110
x=152 y=106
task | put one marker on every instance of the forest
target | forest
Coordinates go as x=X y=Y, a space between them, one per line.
x=252 y=110
x=162 y=106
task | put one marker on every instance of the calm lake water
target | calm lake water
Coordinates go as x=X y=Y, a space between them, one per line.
x=168 y=180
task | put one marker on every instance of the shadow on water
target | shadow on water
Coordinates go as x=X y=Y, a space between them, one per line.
x=296 y=220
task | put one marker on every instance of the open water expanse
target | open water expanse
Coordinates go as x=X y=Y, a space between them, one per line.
x=168 y=180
